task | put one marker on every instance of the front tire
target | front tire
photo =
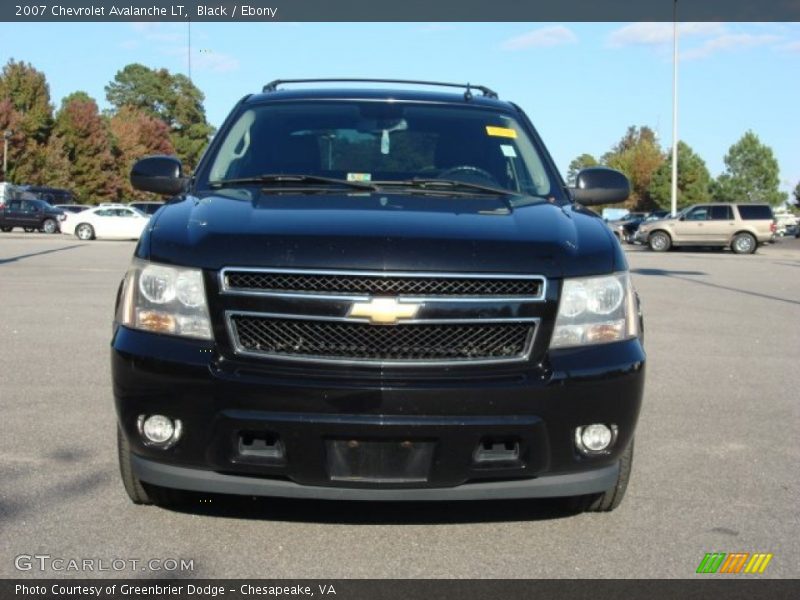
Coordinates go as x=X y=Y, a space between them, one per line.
x=744 y=243
x=138 y=491
x=84 y=232
x=611 y=498
x=49 y=226
x=659 y=241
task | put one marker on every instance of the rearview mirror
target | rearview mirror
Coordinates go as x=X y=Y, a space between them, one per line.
x=158 y=174
x=600 y=185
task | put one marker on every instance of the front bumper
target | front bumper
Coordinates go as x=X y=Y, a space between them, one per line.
x=553 y=486
x=218 y=401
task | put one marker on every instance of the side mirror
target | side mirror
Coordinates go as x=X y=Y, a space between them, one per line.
x=600 y=185
x=159 y=174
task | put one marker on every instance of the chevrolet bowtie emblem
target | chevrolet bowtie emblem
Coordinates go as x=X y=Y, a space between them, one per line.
x=384 y=311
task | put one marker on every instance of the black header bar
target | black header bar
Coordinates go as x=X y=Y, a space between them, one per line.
x=702 y=587
x=399 y=10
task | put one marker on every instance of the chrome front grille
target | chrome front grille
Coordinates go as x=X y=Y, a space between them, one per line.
x=278 y=336
x=457 y=318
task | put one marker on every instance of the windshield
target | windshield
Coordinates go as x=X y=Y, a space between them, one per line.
x=386 y=142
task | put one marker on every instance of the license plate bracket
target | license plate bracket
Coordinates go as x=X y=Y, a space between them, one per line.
x=379 y=461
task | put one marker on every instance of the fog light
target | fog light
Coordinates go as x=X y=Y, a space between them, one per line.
x=158 y=430
x=596 y=438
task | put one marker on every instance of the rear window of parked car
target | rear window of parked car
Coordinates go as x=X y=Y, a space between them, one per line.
x=755 y=212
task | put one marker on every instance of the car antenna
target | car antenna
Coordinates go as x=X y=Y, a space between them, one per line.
x=468 y=93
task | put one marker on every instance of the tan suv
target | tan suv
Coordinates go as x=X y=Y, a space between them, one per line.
x=741 y=226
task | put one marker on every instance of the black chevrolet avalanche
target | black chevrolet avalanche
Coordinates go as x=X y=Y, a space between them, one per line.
x=377 y=294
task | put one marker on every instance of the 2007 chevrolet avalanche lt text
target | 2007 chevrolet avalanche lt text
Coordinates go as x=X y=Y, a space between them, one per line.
x=375 y=294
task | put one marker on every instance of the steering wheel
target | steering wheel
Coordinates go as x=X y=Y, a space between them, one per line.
x=468 y=170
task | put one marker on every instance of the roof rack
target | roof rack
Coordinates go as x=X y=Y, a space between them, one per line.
x=273 y=85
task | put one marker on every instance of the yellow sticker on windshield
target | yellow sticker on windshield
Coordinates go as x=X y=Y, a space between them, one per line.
x=505 y=132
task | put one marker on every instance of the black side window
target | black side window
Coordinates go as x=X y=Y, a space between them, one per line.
x=755 y=212
x=30 y=206
x=721 y=213
x=15 y=205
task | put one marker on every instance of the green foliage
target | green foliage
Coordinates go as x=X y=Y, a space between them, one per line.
x=796 y=193
x=173 y=99
x=693 y=180
x=29 y=94
x=10 y=120
x=579 y=163
x=25 y=109
x=84 y=136
x=639 y=156
x=136 y=134
x=751 y=174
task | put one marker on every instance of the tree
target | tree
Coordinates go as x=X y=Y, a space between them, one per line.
x=796 y=194
x=10 y=120
x=578 y=163
x=174 y=99
x=29 y=94
x=751 y=173
x=639 y=156
x=87 y=145
x=55 y=167
x=136 y=134
x=693 y=180
x=25 y=109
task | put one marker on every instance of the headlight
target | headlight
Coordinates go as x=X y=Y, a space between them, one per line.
x=165 y=299
x=595 y=310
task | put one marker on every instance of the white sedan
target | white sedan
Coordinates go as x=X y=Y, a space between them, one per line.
x=112 y=222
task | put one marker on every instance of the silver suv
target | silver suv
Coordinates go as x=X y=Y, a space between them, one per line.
x=742 y=227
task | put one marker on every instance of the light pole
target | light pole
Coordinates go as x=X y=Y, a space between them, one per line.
x=674 y=187
x=6 y=136
x=189 y=48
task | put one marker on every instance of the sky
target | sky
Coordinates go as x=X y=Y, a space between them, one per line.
x=582 y=84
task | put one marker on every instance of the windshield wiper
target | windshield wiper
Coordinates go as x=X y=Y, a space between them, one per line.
x=439 y=185
x=281 y=178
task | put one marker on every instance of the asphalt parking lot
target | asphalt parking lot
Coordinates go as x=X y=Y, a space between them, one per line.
x=716 y=465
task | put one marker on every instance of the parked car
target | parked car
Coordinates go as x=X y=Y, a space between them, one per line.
x=380 y=294
x=72 y=208
x=632 y=228
x=792 y=231
x=110 y=222
x=625 y=229
x=31 y=214
x=742 y=227
x=51 y=195
x=785 y=222
x=148 y=208
x=615 y=214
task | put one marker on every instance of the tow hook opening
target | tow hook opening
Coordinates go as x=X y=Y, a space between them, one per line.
x=497 y=452
x=263 y=446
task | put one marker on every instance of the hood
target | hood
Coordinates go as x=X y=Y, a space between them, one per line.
x=375 y=231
